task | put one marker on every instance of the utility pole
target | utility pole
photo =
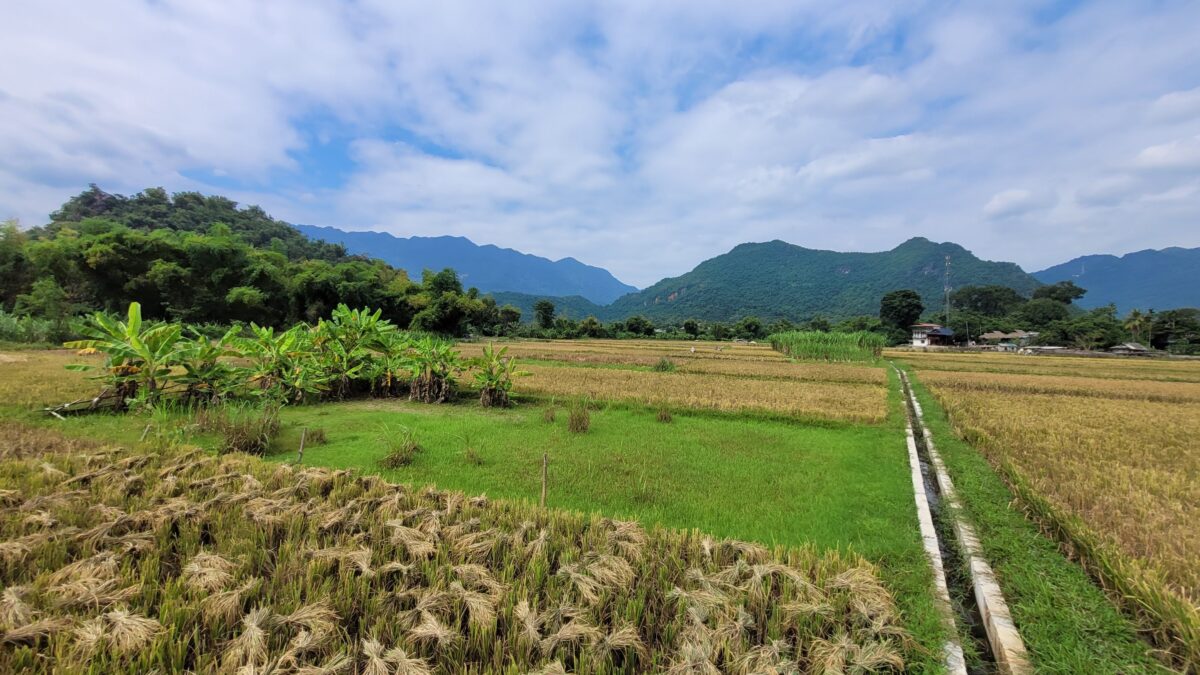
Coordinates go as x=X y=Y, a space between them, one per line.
x=946 y=288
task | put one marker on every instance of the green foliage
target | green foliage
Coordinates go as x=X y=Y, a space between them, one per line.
x=812 y=345
x=29 y=329
x=139 y=357
x=579 y=418
x=401 y=445
x=664 y=365
x=544 y=311
x=775 y=280
x=900 y=309
x=248 y=428
x=495 y=376
x=1064 y=292
x=992 y=301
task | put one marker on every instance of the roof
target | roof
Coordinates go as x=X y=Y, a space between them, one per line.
x=947 y=332
x=1001 y=335
x=926 y=325
x=1132 y=347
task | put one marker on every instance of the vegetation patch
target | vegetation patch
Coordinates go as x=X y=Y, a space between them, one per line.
x=227 y=564
x=822 y=346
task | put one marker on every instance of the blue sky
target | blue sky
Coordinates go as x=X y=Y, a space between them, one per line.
x=642 y=137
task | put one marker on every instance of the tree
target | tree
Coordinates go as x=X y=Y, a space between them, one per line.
x=1135 y=322
x=820 y=324
x=986 y=300
x=900 y=309
x=1041 y=312
x=639 y=325
x=544 y=311
x=750 y=328
x=591 y=327
x=691 y=327
x=719 y=331
x=510 y=316
x=1064 y=292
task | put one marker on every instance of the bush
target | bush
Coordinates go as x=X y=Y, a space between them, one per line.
x=664 y=365
x=579 y=419
x=402 y=447
x=247 y=428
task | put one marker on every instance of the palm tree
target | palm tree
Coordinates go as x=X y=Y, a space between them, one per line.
x=1134 y=323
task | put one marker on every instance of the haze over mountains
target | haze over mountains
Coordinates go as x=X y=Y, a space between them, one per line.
x=776 y=279
x=486 y=267
x=1150 y=279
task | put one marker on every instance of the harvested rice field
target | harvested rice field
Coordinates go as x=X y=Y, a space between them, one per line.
x=1107 y=454
x=726 y=509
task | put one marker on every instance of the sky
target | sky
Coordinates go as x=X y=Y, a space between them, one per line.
x=643 y=137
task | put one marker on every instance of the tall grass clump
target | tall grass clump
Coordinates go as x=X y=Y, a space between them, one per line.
x=818 y=346
x=579 y=418
x=402 y=447
x=116 y=562
x=664 y=365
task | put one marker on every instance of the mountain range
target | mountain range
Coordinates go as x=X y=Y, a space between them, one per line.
x=486 y=267
x=1164 y=279
x=776 y=279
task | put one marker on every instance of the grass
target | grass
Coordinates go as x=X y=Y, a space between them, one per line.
x=820 y=346
x=172 y=561
x=774 y=481
x=1066 y=621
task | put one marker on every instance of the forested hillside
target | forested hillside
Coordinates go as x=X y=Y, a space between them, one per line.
x=1144 y=280
x=779 y=280
x=202 y=259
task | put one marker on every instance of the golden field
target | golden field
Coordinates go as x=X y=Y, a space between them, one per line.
x=36 y=378
x=639 y=349
x=1110 y=465
x=1099 y=368
x=685 y=361
x=825 y=400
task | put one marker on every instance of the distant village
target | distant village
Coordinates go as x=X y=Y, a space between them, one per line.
x=937 y=336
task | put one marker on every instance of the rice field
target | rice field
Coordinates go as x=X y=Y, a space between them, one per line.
x=120 y=561
x=1111 y=463
x=808 y=400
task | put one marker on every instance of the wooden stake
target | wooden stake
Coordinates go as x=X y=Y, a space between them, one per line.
x=545 y=462
x=303 y=435
x=144 y=432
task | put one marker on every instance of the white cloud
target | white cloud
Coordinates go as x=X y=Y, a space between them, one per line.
x=644 y=137
x=1016 y=202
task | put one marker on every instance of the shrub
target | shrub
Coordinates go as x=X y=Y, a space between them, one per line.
x=664 y=416
x=664 y=365
x=579 y=419
x=402 y=447
x=247 y=428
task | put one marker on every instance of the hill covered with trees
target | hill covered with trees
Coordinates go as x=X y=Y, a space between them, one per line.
x=1166 y=278
x=200 y=259
x=775 y=280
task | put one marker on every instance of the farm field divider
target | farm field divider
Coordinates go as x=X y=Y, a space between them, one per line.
x=1007 y=647
x=1114 y=479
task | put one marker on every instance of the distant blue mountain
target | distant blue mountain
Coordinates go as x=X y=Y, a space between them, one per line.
x=1150 y=279
x=488 y=268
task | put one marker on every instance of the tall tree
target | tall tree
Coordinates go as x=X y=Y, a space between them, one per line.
x=1064 y=292
x=543 y=310
x=900 y=309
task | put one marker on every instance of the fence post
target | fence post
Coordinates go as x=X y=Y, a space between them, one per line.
x=545 y=462
x=300 y=455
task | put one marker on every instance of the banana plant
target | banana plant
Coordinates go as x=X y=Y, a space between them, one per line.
x=434 y=364
x=136 y=357
x=345 y=343
x=394 y=365
x=207 y=376
x=495 y=374
x=284 y=365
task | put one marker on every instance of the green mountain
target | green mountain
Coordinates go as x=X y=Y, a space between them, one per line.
x=1150 y=279
x=780 y=280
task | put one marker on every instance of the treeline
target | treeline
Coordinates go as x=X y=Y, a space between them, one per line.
x=202 y=260
x=1050 y=312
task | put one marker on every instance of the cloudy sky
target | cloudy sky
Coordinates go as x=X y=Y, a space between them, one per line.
x=640 y=136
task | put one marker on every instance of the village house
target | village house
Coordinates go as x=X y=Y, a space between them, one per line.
x=931 y=335
x=1130 y=349
x=1007 y=342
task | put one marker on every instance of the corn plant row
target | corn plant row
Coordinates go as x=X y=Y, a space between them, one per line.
x=171 y=561
x=819 y=346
